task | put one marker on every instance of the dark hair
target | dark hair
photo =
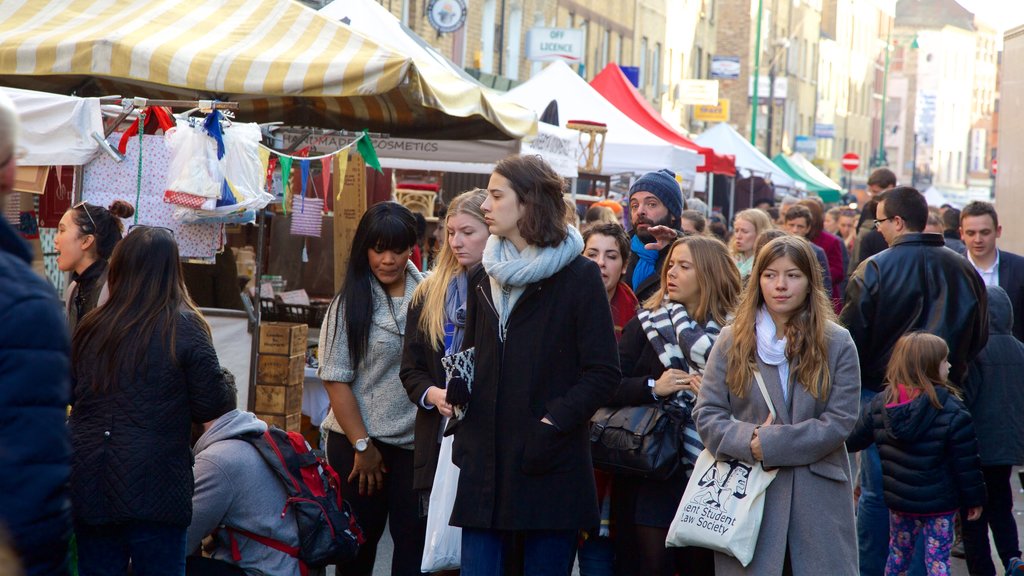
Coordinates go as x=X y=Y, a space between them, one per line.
x=766 y=237
x=385 y=226
x=951 y=219
x=718 y=229
x=147 y=299
x=978 y=208
x=108 y=229
x=908 y=204
x=817 y=219
x=800 y=211
x=421 y=226
x=769 y=201
x=883 y=178
x=614 y=231
x=867 y=214
x=699 y=222
x=539 y=189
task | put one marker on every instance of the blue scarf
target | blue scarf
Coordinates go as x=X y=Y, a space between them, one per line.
x=645 y=266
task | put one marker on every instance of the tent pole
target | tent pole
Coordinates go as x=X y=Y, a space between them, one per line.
x=261 y=224
x=732 y=199
x=711 y=192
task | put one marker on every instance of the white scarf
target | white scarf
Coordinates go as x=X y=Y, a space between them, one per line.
x=511 y=271
x=772 y=351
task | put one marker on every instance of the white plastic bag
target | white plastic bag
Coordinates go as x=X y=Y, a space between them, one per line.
x=442 y=549
x=194 y=166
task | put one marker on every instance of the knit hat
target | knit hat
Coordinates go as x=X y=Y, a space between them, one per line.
x=663 y=185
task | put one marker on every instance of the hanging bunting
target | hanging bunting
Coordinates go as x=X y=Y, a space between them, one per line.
x=365 y=148
x=325 y=179
x=340 y=167
x=286 y=172
x=265 y=160
x=304 y=169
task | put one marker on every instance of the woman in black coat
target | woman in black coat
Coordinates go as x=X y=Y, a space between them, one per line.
x=143 y=369
x=700 y=286
x=545 y=362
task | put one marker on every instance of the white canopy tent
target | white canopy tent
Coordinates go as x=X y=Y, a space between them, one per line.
x=56 y=130
x=628 y=146
x=558 y=146
x=725 y=139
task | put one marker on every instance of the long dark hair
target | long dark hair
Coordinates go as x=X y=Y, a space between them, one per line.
x=147 y=298
x=385 y=226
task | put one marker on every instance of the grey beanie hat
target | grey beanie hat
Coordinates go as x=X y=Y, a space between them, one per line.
x=663 y=185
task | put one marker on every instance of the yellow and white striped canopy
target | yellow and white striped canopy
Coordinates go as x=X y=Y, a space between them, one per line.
x=278 y=58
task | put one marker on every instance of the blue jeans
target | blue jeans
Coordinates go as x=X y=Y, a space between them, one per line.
x=596 y=556
x=154 y=549
x=545 y=552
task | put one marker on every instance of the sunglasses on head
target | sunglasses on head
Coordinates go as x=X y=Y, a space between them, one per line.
x=85 y=209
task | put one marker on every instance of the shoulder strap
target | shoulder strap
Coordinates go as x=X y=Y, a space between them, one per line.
x=269 y=449
x=764 y=393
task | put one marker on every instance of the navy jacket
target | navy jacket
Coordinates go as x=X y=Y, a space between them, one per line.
x=929 y=456
x=1011 y=279
x=994 y=390
x=35 y=451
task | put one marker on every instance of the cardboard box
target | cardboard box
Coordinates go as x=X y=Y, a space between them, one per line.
x=280 y=370
x=289 y=423
x=278 y=399
x=283 y=338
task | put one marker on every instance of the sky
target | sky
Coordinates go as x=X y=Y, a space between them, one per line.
x=1003 y=14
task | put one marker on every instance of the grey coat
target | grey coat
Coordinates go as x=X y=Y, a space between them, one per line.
x=809 y=505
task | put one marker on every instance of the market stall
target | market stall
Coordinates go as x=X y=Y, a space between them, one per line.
x=817 y=181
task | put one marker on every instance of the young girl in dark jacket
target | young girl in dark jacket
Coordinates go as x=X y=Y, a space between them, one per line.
x=929 y=452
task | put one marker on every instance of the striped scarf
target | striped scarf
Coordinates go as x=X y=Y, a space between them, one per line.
x=681 y=343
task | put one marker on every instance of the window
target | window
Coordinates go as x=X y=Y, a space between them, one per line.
x=656 y=72
x=605 y=48
x=622 y=43
x=643 y=62
x=698 y=63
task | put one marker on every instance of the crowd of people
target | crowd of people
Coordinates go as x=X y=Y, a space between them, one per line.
x=889 y=355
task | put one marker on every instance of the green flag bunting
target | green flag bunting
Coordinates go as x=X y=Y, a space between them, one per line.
x=365 y=148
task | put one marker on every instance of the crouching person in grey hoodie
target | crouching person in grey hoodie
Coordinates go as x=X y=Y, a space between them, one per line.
x=235 y=488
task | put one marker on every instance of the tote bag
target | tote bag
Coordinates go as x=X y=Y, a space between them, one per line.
x=442 y=548
x=724 y=502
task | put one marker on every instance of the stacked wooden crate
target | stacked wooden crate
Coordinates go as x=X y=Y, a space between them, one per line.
x=279 y=373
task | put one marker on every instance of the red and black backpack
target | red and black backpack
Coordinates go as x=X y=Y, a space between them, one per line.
x=328 y=532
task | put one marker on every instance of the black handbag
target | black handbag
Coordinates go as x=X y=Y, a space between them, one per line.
x=645 y=441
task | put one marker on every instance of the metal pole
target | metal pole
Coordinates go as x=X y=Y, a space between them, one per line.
x=732 y=198
x=771 y=104
x=711 y=193
x=757 y=74
x=885 y=95
x=261 y=224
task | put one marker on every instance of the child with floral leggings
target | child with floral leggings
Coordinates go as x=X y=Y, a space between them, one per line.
x=929 y=453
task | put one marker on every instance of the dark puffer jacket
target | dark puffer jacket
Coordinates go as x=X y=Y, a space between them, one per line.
x=994 y=390
x=34 y=391
x=929 y=457
x=132 y=459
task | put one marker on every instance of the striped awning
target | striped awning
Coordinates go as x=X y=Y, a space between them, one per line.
x=278 y=58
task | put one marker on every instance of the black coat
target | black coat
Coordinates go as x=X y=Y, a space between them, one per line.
x=558 y=360
x=994 y=390
x=648 y=287
x=421 y=369
x=639 y=500
x=35 y=449
x=917 y=284
x=132 y=459
x=1011 y=279
x=929 y=456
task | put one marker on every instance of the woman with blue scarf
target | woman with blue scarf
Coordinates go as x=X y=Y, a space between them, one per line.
x=436 y=323
x=539 y=322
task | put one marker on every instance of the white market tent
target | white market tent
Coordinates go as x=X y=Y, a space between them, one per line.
x=56 y=130
x=813 y=171
x=629 y=147
x=558 y=146
x=725 y=139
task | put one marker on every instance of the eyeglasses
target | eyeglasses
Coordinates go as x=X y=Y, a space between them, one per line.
x=85 y=209
x=879 y=222
x=142 y=226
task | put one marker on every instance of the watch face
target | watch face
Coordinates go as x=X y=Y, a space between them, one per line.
x=361 y=445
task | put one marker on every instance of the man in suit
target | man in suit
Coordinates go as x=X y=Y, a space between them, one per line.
x=979 y=230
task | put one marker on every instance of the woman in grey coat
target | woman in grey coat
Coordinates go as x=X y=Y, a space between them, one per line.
x=784 y=328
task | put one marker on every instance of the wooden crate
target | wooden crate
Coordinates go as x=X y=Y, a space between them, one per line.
x=290 y=423
x=283 y=338
x=278 y=399
x=280 y=370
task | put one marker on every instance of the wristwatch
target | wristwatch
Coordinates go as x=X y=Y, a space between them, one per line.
x=362 y=444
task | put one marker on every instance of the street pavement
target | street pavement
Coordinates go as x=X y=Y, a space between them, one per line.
x=386 y=548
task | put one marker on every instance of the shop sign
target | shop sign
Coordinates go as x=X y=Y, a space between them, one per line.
x=725 y=67
x=825 y=131
x=696 y=92
x=764 y=89
x=550 y=44
x=806 y=145
x=712 y=112
x=446 y=15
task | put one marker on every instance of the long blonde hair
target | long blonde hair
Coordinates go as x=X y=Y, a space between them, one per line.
x=758 y=218
x=432 y=291
x=914 y=363
x=806 y=338
x=719 y=277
